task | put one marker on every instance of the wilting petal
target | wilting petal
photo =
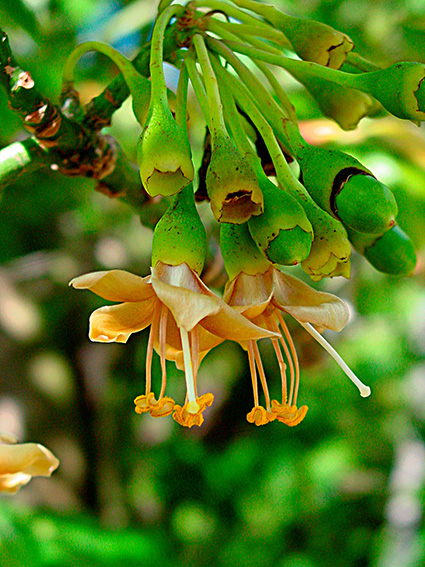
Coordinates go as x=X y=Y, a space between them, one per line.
x=308 y=305
x=18 y=463
x=115 y=285
x=116 y=323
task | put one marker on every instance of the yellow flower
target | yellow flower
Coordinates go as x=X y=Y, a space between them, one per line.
x=18 y=463
x=261 y=298
x=187 y=320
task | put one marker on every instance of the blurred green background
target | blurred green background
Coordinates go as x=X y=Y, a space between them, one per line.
x=344 y=488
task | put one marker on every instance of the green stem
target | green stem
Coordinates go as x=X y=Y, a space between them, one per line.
x=20 y=158
x=181 y=98
x=242 y=95
x=234 y=118
x=100 y=109
x=216 y=124
x=232 y=11
x=263 y=99
x=361 y=64
x=123 y=64
x=159 y=88
x=197 y=85
x=279 y=90
x=299 y=68
x=234 y=32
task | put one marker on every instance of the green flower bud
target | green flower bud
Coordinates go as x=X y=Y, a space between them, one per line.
x=392 y=253
x=330 y=252
x=344 y=105
x=179 y=236
x=283 y=232
x=141 y=103
x=163 y=153
x=313 y=41
x=239 y=251
x=232 y=185
x=399 y=88
x=366 y=204
x=344 y=188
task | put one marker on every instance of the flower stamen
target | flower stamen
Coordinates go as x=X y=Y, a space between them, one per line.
x=194 y=342
x=294 y=386
x=262 y=375
x=364 y=390
x=192 y=405
x=162 y=343
x=253 y=369
x=149 y=352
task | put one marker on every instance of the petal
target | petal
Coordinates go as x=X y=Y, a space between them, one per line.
x=251 y=295
x=115 y=323
x=232 y=326
x=11 y=483
x=308 y=305
x=188 y=307
x=115 y=285
x=179 y=276
x=29 y=458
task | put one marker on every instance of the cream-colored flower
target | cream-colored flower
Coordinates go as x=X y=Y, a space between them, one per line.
x=187 y=320
x=261 y=298
x=20 y=462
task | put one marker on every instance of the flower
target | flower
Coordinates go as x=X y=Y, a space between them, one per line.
x=20 y=462
x=187 y=320
x=261 y=298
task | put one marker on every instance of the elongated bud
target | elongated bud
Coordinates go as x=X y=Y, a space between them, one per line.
x=179 y=236
x=344 y=105
x=314 y=41
x=232 y=184
x=392 y=253
x=330 y=252
x=343 y=187
x=399 y=88
x=163 y=153
x=239 y=251
x=283 y=232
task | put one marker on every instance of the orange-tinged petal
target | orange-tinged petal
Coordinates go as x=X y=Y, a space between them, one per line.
x=18 y=463
x=115 y=323
x=115 y=285
x=308 y=305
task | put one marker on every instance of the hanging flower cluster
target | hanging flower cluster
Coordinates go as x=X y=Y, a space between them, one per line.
x=268 y=216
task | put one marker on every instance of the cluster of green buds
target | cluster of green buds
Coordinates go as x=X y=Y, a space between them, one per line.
x=301 y=204
x=311 y=217
x=278 y=200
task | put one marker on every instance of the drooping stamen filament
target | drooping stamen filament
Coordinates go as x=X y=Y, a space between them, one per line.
x=282 y=368
x=193 y=407
x=262 y=375
x=364 y=390
x=194 y=343
x=149 y=350
x=162 y=341
x=253 y=369
x=294 y=388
